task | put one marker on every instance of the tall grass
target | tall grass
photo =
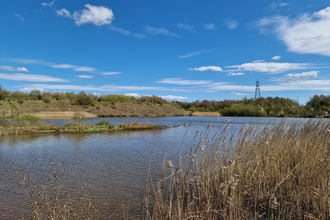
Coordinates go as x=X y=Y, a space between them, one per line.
x=136 y=126
x=273 y=172
x=50 y=201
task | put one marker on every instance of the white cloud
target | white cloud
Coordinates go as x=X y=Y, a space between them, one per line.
x=282 y=4
x=196 y=53
x=97 y=15
x=48 y=4
x=274 y=5
x=301 y=76
x=63 y=13
x=270 y=67
x=30 y=78
x=210 y=26
x=239 y=94
x=133 y=94
x=139 y=36
x=63 y=66
x=120 y=30
x=306 y=34
x=186 y=27
x=179 y=81
x=84 y=69
x=160 y=31
x=19 y=16
x=276 y=57
x=205 y=68
x=235 y=74
x=73 y=67
x=53 y=65
x=85 y=76
x=110 y=73
x=231 y=24
x=11 y=68
x=174 y=97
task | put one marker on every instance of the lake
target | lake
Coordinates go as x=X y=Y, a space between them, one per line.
x=112 y=167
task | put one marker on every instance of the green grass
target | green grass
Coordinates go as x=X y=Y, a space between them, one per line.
x=32 y=125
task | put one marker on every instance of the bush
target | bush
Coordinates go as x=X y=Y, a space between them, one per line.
x=84 y=99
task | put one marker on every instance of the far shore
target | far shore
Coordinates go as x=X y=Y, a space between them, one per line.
x=62 y=115
x=215 y=114
x=70 y=114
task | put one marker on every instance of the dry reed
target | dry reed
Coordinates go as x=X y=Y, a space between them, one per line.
x=272 y=172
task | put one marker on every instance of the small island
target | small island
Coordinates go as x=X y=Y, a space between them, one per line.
x=30 y=124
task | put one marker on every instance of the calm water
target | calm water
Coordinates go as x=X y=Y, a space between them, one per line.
x=112 y=167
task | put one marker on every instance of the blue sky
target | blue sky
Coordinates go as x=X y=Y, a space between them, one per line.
x=180 y=50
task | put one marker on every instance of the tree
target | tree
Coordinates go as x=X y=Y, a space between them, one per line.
x=35 y=94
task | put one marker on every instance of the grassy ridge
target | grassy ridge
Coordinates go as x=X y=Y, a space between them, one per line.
x=276 y=172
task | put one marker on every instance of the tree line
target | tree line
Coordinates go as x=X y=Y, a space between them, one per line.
x=317 y=106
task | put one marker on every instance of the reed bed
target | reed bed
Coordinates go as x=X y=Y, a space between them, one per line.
x=277 y=171
x=136 y=126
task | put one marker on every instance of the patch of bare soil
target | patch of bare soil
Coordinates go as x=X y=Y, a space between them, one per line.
x=62 y=115
x=215 y=114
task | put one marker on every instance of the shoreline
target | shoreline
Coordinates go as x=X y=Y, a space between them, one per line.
x=84 y=114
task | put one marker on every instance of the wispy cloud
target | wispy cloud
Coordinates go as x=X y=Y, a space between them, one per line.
x=270 y=67
x=305 y=34
x=63 y=13
x=97 y=15
x=127 y=32
x=174 y=97
x=30 y=78
x=239 y=94
x=19 y=16
x=179 y=81
x=301 y=76
x=231 y=24
x=11 y=68
x=53 y=65
x=74 y=67
x=235 y=74
x=205 y=68
x=45 y=4
x=187 y=27
x=210 y=26
x=274 y=5
x=196 y=53
x=110 y=73
x=160 y=31
x=120 y=30
x=276 y=57
x=139 y=36
x=85 y=76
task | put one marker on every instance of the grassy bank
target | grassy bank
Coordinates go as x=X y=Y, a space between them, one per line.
x=276 y=172
x=30 y=124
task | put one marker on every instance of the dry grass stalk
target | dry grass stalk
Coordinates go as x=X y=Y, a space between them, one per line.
x=50 y=201
x=273 y=172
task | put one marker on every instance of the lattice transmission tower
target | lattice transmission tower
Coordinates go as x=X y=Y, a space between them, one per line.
x=257 y=93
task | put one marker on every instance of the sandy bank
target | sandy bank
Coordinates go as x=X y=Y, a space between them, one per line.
x=61 y=115
x=215 y=114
